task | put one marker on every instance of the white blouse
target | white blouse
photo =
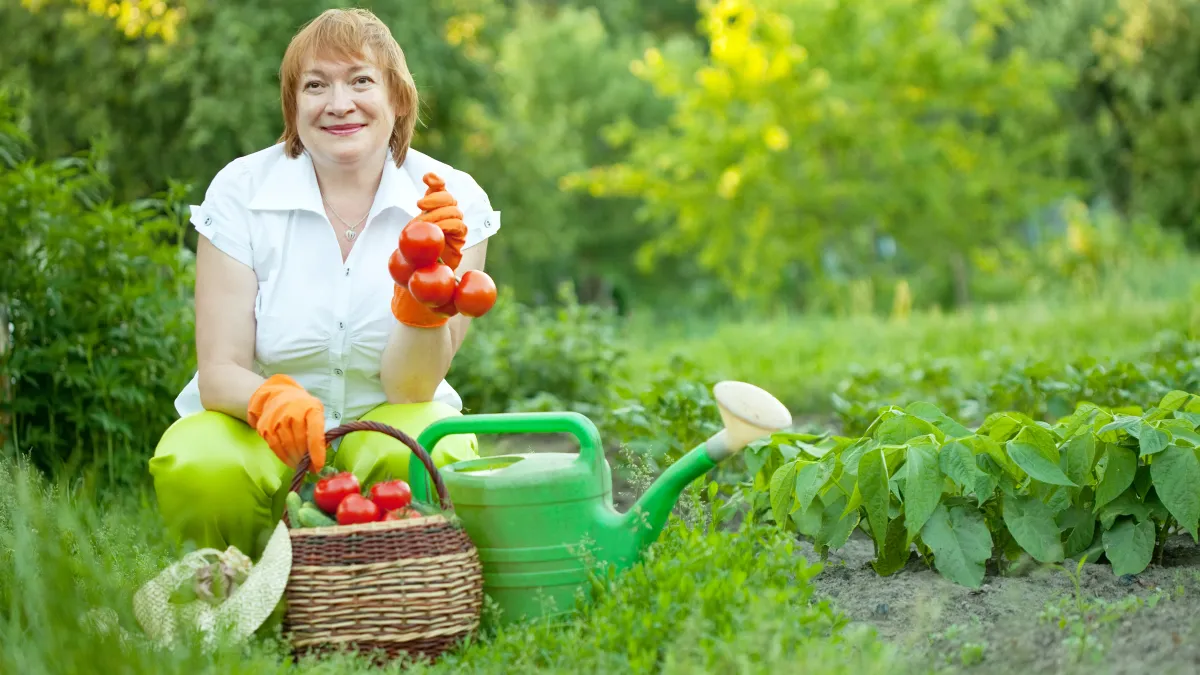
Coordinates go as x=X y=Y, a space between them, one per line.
x=323 y=322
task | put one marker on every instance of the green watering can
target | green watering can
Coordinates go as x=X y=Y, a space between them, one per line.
x=537 y=518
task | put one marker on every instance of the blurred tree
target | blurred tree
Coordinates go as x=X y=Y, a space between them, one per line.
x=811 y=121
x=184 y=109
x=559 y=80
x=1133 y=116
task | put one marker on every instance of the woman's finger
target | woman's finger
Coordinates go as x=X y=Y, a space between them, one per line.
x=316 y=439
x=436 y=200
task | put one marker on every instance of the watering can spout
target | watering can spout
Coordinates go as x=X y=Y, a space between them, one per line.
x=749 y=413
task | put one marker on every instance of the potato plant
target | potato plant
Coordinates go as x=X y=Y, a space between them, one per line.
x=1111 y=482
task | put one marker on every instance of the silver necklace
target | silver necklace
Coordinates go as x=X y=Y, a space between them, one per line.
x=350 y=229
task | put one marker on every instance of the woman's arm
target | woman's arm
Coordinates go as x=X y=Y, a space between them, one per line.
x=416 y=360
x=225 y=293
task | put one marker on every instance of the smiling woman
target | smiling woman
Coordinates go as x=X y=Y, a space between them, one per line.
x=295 y=332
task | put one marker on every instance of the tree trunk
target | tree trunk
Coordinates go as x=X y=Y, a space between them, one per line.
x=962 y=289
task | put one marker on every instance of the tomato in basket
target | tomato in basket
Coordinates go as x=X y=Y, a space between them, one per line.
x=329 y=492
x=391 y=495
x=356 y=509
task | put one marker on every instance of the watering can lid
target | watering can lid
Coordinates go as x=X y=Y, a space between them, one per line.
x=525 y=478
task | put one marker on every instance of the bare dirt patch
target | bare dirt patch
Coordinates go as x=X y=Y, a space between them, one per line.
x=1034 y=622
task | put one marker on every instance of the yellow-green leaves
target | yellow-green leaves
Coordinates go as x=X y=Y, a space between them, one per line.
x=803 y=123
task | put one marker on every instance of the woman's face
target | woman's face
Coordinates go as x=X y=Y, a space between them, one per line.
x=344 y=115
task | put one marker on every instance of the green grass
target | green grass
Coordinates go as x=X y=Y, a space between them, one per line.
x=802 y=359
x=704 y=601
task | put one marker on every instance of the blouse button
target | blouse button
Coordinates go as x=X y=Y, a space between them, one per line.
x=337 y=415
x=337 y=371
x=341 y=326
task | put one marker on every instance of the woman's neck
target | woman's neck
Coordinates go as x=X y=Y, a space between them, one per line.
x=343 y=184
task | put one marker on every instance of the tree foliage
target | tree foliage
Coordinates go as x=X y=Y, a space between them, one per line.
x=808 y=122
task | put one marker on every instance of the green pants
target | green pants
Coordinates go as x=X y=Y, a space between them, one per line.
x=219 y=484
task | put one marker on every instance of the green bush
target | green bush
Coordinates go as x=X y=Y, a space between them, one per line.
x=97 y=298
x=542 y=357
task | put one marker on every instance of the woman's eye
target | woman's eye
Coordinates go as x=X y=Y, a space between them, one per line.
x=363 y=80
x=312 y=84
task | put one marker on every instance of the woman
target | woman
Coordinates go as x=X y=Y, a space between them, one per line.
x=299 y=324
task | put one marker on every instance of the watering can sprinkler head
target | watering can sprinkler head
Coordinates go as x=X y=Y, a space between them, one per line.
x=749 y=413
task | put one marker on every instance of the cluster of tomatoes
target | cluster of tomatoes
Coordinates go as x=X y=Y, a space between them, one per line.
x=417 y=264
x=341 y=495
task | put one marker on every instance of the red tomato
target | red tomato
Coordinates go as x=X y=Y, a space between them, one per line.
x=356 y=509
x=329 y=492
x=447 y=309
x=476 y=293
x=422 y=243
x=399 y=267
x=405 y=513
x=432 y=285
x=391 y=495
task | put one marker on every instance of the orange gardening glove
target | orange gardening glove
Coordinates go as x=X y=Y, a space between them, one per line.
x=440 y=208
x=290 y=420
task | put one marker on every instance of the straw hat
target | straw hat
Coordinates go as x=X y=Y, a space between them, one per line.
x=254 y=591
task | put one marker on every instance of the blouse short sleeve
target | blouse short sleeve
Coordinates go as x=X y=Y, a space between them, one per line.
x=481 y=220
x=223 y=217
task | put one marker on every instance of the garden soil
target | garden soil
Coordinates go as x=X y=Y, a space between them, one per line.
x=1009 y=624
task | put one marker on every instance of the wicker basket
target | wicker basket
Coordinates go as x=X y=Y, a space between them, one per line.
x=410 y=586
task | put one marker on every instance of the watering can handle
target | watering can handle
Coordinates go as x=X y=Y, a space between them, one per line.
x=507 y=423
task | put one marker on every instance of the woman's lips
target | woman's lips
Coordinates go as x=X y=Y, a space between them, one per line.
x=344 y=129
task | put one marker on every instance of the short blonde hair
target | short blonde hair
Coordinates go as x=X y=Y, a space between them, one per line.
x=350 y=34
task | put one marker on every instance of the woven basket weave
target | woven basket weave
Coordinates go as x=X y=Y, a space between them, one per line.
x=410 y=586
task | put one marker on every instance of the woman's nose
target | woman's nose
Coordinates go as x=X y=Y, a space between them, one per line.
x=341 y=102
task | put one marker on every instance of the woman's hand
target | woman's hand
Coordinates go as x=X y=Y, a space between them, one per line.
x=440 y=208
x=290 y=420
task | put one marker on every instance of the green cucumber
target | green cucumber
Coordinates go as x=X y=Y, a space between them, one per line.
x=293 y=506
x=311 y=516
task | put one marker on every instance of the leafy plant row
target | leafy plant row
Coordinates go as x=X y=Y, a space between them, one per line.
x=1105 y=483
x=1043 y=389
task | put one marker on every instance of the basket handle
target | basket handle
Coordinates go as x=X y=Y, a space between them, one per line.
x=361 y=425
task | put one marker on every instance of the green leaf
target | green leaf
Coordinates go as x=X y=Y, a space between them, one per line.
x=1032 y=525
x=961 y=543
x=1174 y=400
x=1079 y=455
x=989 y=447
x=932 y=414
x=895 y=551
x=1128 y=424
x=1176 y=474
x=1181 y=430
x=902 y=428
x=837 y=521
x=1080 y=526
x=1151 y=440
x=1126 y=504
x=1036 y=463
x=1118 y=474
x=808 y=521
x=782 y=492
x=810 y=479
x=1129 y=546
x=957 y=461
x=922 y=487
x=873 y=483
